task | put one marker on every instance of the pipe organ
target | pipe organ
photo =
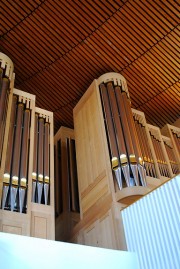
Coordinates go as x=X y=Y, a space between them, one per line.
x=142 y=132
x=120 y=158
x=66 y=183
x=161 y=155
x=173 y=133
x=125 y=153
x=16 y=164
x=6 y=86
x=41 y=160
x=27 y=163
x=110 y=159
x=171 y=155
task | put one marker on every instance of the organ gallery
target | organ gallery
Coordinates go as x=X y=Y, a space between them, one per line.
x=72 y=186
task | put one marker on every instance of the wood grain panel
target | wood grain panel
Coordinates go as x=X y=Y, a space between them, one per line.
x=11 y=229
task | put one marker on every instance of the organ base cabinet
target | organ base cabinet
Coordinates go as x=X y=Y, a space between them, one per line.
x=102 y=228
x=37 y=223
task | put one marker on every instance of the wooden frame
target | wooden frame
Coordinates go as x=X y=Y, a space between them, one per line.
x=42 y=216
x=65 y=218
x=167 y=131
x=168 y=141
x=94 y=168
x=99 y=196
x=157 y=133
x=38 y=216
x=8 y=64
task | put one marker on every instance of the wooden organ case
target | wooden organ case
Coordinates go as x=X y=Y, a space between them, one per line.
x=66 y=184
x=27 y=163
x=120 y=158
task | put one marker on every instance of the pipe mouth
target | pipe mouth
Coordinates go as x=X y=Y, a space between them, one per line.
x=141 y=161
x=6 y=178
x=132 y=159
x=15 y=180
x=114 y=163
x=40 y=177
x=123 y=159
x=46 y=179
x=34 y=175
x=23 y=182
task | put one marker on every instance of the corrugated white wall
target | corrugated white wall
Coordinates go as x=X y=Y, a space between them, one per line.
x=152 y=227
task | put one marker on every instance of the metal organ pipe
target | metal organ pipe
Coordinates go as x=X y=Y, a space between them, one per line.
x=17 y=149
x=8 y=163
x=16 y=154
x=111 y=135
x=41 y=161
x=40 y=158
x=138 y=154
x=24 y=159
x=127 y=134
x=125 y=152
x=4 y=92
x=16 y=165
x=46 y=162
x=177 y=140
x=34 y=173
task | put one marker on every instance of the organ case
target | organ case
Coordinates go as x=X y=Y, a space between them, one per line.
x=103 y=130
x=174 y=133
x=165 y=170
x=6 y=88
x=19 y=213
x=109 y=159
x=66 y=183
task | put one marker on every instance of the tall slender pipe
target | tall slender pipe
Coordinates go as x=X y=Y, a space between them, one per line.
x=119 y=134
x=177 y=140
x=138 y=154
x=4 y=90
x=24 y=159
x=127 y=134
x=16 y=154
x=1 y=76
x=5 y=82
x=40 y=158
x=9 y=153
x=46 y=162
x=34 y=173
x=111 y=135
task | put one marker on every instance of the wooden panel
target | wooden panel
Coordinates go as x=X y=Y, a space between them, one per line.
x=91 y=236
x=11 y=229
x=106 y=232
x=89 y=138
x=98 y=191
x=40 y=227
x=93 y=165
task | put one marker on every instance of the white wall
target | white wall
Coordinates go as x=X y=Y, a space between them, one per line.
x=152 y=227
x=20 y=252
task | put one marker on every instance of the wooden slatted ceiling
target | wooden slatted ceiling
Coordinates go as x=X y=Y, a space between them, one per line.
x=59 y=47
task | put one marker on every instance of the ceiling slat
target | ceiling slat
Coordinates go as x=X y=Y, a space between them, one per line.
x=58 y=47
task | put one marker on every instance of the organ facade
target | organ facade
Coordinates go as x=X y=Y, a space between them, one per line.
x=112 y=158
x=27 y=161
